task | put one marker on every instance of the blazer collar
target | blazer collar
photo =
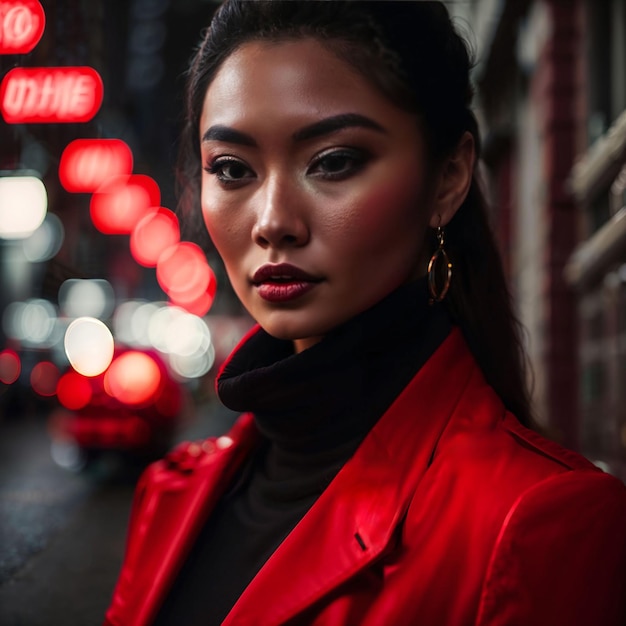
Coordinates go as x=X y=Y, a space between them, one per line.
x=354 y=520
x=182 y=490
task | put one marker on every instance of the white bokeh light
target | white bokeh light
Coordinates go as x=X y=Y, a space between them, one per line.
x=86 y=298
x=193 y=366
x=160 y=324
x=37 y=321
x=89 y=346
x=140 y=322
x=122 y=321
x=187 y=335
x=33 y=322
x=12 y=320
x=23 y=206
x=46 y=241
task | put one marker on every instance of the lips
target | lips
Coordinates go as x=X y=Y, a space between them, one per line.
x=283 y=282
x=282 y=273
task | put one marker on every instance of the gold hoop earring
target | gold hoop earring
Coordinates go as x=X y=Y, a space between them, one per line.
x=440 y=253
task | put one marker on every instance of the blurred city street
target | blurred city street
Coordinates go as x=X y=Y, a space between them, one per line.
x=63 y=533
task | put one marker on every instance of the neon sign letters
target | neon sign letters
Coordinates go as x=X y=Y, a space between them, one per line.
x=50 y=94
x=22 y=23
x=88 y=163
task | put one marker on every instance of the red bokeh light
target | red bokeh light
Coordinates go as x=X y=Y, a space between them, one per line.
x=201 y=305
x=152 y=235
x=10 y=367
x=44 y=378
x=134 y=378
x=88 y=163
x=184 y=274
x=22 y=23
x=121 y=202
x=50 y=94
x=74 y=391
x=104 y=430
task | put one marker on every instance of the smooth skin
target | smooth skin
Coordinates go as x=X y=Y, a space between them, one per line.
x=307 y=163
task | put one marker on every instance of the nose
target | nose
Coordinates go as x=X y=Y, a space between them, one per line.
x=281 y=217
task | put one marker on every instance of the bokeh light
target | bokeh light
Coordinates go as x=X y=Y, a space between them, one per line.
x=46 y=241
x=32 y=322
x=201 y=305
x=86 y=164
x=133 y=378
x=182 y=337
x=50 y=94
x=23 y=206
x=74 y=391
x=38 y=320
x=140 y=322
x=89 y=346
x=195 y=365
x=87 y=298
x=187 y=335
x=184 y=274
x=121 y=202
x=122 y=321
x=22 y=26
x=67 y=454
x=152 y=235
x=10 y=367
x=159 y=325
x=44 y=378
x=12 y=320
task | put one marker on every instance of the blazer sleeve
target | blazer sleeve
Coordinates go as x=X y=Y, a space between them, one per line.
x=560 y=557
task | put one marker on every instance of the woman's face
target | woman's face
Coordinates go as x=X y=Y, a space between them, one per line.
x=314 y=187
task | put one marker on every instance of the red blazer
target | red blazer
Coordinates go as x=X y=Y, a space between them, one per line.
x=450 y=513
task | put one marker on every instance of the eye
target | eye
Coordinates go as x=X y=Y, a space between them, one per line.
x=230 y=171
x=338 y=164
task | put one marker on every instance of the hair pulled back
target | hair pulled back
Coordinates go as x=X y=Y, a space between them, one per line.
x=411 y=52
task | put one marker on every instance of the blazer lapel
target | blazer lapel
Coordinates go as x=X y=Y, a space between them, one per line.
x=173 y=511
x=354 y=520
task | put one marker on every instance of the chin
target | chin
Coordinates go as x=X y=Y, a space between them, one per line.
x=294 y=331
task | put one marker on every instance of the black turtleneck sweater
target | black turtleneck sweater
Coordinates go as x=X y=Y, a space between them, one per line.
x=312 y=409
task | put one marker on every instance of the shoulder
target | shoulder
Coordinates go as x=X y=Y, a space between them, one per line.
x=553 y=525
x=489 y=446
x=563 y=545
x=189 y=461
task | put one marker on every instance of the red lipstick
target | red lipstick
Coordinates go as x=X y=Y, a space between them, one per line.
x=283 y=282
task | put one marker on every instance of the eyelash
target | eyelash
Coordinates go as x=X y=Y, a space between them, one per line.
x=357 y=159
x=215 y=167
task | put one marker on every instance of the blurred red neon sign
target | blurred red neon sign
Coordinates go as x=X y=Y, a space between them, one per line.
x=153 y=234
x=183 y=273
x=21 y=25
x=88 y=163
x=50 y=94
x=121 y=202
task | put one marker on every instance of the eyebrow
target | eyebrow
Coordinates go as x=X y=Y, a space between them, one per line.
x=336 y=122
x=323 y=127
x=227 y=134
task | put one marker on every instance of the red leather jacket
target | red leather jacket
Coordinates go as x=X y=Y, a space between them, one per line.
x=449 y=514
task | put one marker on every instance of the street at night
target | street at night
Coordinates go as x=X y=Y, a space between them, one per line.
x=63 y=533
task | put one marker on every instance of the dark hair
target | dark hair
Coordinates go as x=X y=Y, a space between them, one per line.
x=413 y=54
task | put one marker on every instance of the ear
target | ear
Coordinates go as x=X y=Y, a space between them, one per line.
x=454 y=181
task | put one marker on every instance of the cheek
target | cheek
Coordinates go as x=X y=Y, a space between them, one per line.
x=389 y=214
x=224 y=226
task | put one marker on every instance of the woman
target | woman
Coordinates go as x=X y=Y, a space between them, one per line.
x=382 y=473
